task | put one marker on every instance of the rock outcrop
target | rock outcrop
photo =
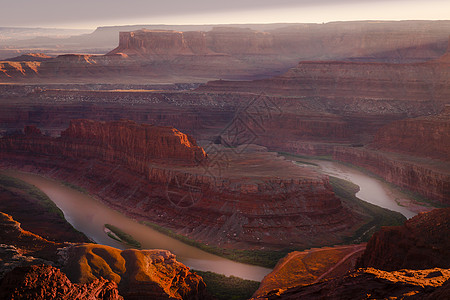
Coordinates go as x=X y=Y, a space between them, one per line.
x=375 y=284
x=213 y=201
x=29 y=270
x=402 y=262
x=423 y=137
x=47 y=282
x=308 y=267
x=422 y=243
x=126 y=141
x=155 y=274
x=235 y=53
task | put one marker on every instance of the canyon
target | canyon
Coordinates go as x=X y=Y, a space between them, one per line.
x=178 y=127
x=165 y=178
x=186 y=54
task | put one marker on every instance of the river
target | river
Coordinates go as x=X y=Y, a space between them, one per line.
x=371 y=189
x=89 y=215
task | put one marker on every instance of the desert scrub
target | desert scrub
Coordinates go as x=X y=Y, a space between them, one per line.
x=228 y=288
x=121 y=236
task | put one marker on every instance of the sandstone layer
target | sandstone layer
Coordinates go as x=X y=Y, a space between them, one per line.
x=308 y=267
x=154 y=274
x=29 y=270
x=423 y=136
x=421 y=243
x=233 y=52
x=213 y=201
x=401 y=262
x=375 y=284
x=46 y=282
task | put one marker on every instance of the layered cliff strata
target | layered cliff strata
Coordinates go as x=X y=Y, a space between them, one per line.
x=407 y=262
x=421 y=243
x=235 y=53
x=237 y=197
x=424 y=136
x=35 y=268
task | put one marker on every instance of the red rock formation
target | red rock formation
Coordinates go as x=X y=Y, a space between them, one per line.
x=308 y=267
x=30 y=57
x=239 y=53
x=154 y=274
x=421 y=243
x=336 y=80
x=46 y=282
x=295 y=206
x=430 y=178
x=134 y=274
x=126 y=141
x=423 y=137
x=374 y=284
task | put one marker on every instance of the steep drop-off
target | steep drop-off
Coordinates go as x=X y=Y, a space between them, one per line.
x=241 y=196
x=401 y=262
x=235 y=53
x=421 y=243
x=423 y=137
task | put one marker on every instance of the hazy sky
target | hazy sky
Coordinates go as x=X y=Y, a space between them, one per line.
x=93 y=13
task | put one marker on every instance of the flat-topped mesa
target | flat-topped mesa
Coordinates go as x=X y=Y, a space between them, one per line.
x=126 y=142
x=112 y=140
x=161 y=42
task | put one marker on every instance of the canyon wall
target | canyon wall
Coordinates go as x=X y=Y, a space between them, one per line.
x=423 y=137
x=235 y=53
x=35 y=268
x=421 y=243
x=210 y=202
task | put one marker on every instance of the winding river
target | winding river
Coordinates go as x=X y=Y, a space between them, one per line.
x=371 y=190
x=89 y=215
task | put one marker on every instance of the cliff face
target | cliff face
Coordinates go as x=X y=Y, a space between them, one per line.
x=29 y=270
x=151 y=273
x=237 y=53
x=421 y=243
x=424 y=137
x=427 y=177
x=126 y=141
x=213 y=201
x=46 y=282
x=376 y=284
x=308 y=267
x=351 y=80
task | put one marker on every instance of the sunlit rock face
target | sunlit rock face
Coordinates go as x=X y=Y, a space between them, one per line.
x=35 y=268
x=257 y=200
x=401 y=262
x=421 y=243
x=47 y=282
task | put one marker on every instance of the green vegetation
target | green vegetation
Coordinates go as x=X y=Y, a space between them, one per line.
x=121 y=236
x=75 y=187
x=376 y=216
x=228 y=288
x=318 y=157
x=8 y=182
x=263 y=258
x=408 y=193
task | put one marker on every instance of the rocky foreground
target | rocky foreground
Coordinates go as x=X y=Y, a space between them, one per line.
x=402 y=262
x=35 y=268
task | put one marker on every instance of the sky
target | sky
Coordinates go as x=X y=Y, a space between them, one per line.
x=89 y=14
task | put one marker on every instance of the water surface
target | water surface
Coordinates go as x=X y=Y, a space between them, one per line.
x=89 y=215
